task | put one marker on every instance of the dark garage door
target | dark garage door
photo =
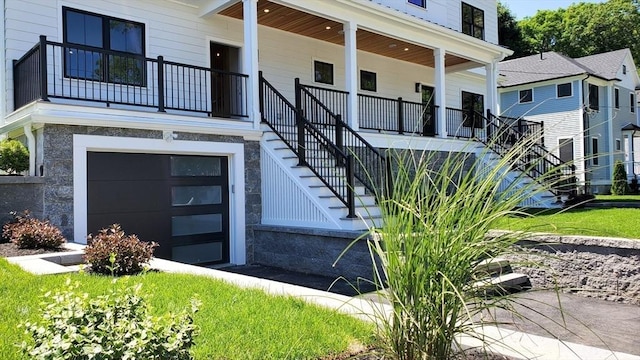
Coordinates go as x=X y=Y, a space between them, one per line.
x=180 y=202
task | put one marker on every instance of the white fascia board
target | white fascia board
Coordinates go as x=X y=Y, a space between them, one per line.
x=396 y=24
x=215 y=6
x=49 y=113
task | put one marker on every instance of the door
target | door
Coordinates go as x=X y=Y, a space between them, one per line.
x=566 y=150
x=428 y=113
x=180 y=202
x=473 y=109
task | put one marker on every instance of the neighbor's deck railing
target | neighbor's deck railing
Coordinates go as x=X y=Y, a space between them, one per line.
x=77 y=72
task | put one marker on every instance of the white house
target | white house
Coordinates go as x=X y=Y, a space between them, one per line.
x=183 y=120
x=588 y=106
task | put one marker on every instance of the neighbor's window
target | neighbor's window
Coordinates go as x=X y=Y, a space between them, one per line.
x=594 y=98
x=564 y=90
x=473 y=108
x=624 y=69
x=421 y=3
x=368 y=80
x=594 y=150
x=99 y=34
x=616 y=98
x=632 y=102
x=618 y=145
x=472 y=21
x=323 y=72
x=525 y=96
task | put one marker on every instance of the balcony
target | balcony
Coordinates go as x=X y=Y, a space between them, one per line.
x=77 y=74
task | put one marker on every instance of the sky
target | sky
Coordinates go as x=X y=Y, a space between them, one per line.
x=524 y=8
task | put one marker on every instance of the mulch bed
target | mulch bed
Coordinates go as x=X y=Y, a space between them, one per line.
x=10 y=250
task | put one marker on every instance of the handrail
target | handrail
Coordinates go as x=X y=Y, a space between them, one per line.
x=372 y=168
x=79 y=72
x=312 y=147
x=537 y=162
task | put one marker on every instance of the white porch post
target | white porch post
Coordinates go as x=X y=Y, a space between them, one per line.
x=492 y=87
x=351 y=73
x=440 y=92
x=610 y=139
x=250 y=58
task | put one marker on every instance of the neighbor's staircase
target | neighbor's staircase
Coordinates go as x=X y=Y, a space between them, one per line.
x=495 y=277
x=333 y=165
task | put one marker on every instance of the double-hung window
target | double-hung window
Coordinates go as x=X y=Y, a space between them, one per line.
x=473 y=109
x=421 y=3
x=106 y=48
x=525 y=96
x=616 y=98
x=594 y=97
x=472 y=21
x=563 y=90
x=632 y=102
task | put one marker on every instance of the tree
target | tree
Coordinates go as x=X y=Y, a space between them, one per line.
x=584 y=29
x=509 y=33
x=14 y=157
x=619 y=185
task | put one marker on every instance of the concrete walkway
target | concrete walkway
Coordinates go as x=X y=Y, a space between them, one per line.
x=591 y=322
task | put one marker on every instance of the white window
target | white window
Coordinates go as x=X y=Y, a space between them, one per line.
x=421 y=3
x=632 y=102
x=525 y=96
x=564 y=90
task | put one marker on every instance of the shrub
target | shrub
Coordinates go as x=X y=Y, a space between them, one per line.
x=14 y=157
x=113 y=252
x=619 y=185
x=31 y=233
x=112 y=326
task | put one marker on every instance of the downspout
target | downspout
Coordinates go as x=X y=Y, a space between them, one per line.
x=31 y=145
x=585 y=136
x=3 y=63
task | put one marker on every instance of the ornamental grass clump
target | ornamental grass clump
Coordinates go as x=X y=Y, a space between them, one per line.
x=111 y=252
x=436 y=221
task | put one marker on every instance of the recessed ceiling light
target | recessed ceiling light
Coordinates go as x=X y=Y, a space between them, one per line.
x=266 y=10
x=406 y=49
x=328 y=27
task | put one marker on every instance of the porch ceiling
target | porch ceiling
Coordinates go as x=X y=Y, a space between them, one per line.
x=295 y=21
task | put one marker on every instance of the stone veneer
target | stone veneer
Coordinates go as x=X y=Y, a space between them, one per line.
x=58 y=172
x=19 y=193
x=605 y=268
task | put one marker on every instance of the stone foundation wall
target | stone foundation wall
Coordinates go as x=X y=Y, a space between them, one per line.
x=604 y=268
x=313 y=251
x=19 y=193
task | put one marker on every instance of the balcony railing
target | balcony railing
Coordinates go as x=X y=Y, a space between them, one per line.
x=76 y=72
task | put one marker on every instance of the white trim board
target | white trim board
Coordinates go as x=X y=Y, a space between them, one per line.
x=235 y=151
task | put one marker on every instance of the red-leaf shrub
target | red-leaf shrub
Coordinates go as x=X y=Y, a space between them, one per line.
x=111 y=252
x=30 y=233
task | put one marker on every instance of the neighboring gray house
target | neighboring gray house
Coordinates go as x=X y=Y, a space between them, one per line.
x=588 y=107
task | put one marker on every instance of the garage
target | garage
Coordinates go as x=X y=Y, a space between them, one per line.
x=179 y=201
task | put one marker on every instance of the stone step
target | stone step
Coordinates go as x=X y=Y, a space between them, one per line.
x=503 y=284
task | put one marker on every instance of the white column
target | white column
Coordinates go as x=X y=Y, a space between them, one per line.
x=492 y=87
x=250 y=58
x=611 y=146
x=440 y=92
x=351 y=72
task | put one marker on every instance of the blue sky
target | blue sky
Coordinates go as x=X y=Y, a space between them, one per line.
x=523 y=8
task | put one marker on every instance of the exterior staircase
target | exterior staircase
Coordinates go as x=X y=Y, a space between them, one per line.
x=495 y=277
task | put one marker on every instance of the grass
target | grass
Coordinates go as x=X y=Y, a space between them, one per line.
x=618 y=198
x=234 y=323
x=610 y=222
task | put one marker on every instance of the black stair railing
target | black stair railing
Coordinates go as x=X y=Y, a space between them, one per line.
x=312 y=147
x=535 y=160
x=371 y=169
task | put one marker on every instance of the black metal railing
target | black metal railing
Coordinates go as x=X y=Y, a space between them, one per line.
x=503 y=135
x=525 y=127
x=313 y=148
x=465 y=124
x=371 y=167
x=77 y=72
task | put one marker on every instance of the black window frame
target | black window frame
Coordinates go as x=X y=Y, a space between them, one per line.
x=474 y=115
x=624 y=69
x=526 y=98
x=616 y=98
x=562 y=94
x=370 y=84
x=632 y=102
x=594 y=151
x=594 y=97
x=318 y=68
x=117 y=56
x=469 y=17
x=419 y=3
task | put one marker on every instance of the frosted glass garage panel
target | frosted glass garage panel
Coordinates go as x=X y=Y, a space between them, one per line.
x=196 y=224
x=195 y=166
x=196 y=195
x=199 y=253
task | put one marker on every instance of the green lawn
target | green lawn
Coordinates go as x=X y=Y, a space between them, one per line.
x=234 y=323
x=618 y=198
x=589 y=221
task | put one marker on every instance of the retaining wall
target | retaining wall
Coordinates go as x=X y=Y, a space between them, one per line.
x=18 y=193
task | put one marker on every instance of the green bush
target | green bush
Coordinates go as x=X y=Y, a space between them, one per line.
x=31 y=233
x=113 y=252
x=14 y=157
x=619 y=185
x=112 y=326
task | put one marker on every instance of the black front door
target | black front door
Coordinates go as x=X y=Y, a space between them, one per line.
x=220 y=80
x=428 y=111
x=180 y=202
